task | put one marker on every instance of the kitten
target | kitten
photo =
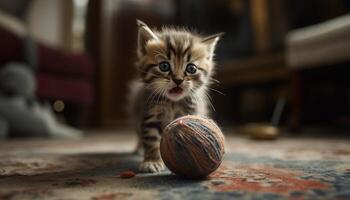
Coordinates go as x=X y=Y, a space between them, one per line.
x=175 y=68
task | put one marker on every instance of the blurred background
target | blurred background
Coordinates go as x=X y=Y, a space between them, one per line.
x=287 y=56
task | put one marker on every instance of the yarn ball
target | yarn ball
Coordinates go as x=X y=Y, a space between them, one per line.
x=192 y=146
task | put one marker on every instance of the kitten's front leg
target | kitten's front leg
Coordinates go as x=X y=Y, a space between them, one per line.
x=150 y=136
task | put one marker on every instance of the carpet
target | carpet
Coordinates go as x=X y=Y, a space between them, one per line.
x=288 y=168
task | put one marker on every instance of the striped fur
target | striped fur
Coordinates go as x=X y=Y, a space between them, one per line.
x=158 y=97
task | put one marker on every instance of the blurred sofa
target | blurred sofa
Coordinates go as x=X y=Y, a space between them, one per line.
x=324 y=45
x=319 y=45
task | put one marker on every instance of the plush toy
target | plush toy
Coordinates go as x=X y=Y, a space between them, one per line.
x=192 y=146
x=20 y=113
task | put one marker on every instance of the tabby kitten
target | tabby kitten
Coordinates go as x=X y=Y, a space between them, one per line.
x=175 y=68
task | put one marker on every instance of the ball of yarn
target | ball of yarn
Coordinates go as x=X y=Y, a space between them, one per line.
x=192 y=146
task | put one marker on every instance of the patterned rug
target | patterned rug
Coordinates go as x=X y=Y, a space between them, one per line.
x=288 y=168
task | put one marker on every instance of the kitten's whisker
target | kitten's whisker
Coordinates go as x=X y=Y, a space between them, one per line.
x=157 y=91
x=214 y=80
x=152 y=95
x=217 y=91
x=154 y=92
x=164 y=92
x=209 y=101
x=159 y=95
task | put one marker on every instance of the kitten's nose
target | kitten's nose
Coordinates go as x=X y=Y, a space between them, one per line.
x=178 y=81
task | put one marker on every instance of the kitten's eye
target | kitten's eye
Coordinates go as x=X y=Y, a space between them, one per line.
x=191 y=68
x=164 y=66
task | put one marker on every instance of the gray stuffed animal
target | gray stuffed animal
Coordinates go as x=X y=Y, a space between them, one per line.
x=20 y=113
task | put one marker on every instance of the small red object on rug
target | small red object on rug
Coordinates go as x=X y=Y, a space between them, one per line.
x=127 y=174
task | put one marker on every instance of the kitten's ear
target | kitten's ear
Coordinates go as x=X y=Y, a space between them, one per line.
x=145 y=34
x=211 y=42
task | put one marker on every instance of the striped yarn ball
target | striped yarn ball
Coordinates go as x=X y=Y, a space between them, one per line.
x=192 y=146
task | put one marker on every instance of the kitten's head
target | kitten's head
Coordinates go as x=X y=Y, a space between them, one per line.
x=174 y=63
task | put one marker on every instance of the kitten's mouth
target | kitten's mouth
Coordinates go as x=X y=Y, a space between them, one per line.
x=176 y=90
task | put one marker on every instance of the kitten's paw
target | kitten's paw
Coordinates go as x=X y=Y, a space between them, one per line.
x=151 y=166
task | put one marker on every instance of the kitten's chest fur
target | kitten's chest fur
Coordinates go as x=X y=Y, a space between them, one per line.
x=169 y=111
x=154 y=108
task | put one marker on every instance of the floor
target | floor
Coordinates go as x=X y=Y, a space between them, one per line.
x=288 y=168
